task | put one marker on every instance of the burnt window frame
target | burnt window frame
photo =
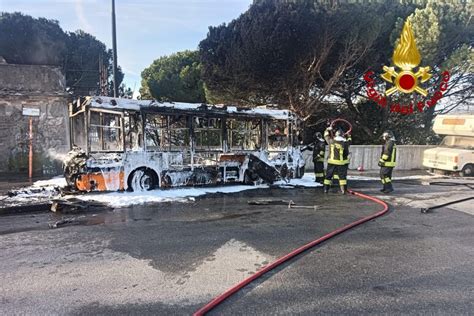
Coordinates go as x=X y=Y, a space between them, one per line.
x=101 y=127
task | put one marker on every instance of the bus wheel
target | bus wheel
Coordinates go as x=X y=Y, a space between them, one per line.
x=467 y=171
x=143 y=180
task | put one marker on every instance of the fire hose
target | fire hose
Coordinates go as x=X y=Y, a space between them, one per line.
x=344 y=121
x=222 y=297
x=449 y=184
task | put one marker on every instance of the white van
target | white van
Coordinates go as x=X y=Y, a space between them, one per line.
x=456 y=151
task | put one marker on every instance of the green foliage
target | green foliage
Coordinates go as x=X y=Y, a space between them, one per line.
x=296 y=54
x=310 y=56
x=254 y=57
x=81 y=65
x=125 y=92
x=444 y=36
x=26 y=40
x=174 y=78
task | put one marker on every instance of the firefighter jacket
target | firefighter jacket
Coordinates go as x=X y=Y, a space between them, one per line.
x=338 y=150
x=389 y=154
x=319 y=149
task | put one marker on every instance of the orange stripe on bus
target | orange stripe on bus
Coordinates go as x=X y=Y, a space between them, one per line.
x=97 y=181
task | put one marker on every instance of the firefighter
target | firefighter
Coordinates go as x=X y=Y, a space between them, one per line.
x=387 y=161
x=319 y=149
x=347 y=158
x=338 y=155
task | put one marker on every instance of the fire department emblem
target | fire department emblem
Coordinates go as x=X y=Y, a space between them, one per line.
x=406 y=57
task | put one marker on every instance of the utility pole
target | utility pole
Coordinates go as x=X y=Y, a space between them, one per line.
x=114 y=48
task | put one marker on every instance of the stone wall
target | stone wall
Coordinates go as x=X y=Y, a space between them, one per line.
x=31 y=79
x=39 y=87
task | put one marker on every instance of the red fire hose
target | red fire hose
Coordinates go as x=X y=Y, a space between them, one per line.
x=344 y=121
x=219 y=299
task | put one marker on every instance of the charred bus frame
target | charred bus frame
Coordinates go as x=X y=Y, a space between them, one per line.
x=135 y=144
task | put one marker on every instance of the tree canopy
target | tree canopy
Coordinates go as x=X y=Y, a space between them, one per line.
x=27 y=40
x=311 y=57
x=84 y=57
x=174 y=78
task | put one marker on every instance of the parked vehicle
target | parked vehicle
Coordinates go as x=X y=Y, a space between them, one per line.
x=123 y=144
x=456 y=151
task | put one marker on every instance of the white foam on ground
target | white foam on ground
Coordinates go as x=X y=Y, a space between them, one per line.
x=185 y=194
x=124 y=199
x=56 y=181
x=306 y=181
x=39 y=192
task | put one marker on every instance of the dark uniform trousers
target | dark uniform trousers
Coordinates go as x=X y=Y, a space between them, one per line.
x=318 y=160
x=386 y=174
x=319 y=170
x=338 y=172
x=387 y=163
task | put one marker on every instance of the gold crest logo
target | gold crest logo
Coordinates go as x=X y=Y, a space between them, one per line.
x=406 y=57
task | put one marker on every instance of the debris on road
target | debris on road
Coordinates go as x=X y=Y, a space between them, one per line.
x=291 y=204
x=269 y=202
x=66 y=222
x=73 y=205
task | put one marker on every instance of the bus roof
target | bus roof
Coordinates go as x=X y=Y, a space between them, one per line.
x=152 y=106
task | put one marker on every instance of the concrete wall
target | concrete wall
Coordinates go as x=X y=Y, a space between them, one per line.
x=28 y=79
x=408 y=156
x=39 y=87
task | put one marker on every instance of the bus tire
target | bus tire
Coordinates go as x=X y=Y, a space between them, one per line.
x=467 y=170
x=143 y=179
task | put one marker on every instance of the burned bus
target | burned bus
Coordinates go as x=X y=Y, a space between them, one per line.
x=123 y=144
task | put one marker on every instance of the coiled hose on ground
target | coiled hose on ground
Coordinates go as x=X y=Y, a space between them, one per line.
x=222 y=297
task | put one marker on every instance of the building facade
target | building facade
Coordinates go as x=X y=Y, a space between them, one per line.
x=32 y=88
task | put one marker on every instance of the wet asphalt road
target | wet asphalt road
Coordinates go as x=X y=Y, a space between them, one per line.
x=173 y=258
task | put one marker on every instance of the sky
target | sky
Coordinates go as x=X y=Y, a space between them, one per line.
x=146 y=29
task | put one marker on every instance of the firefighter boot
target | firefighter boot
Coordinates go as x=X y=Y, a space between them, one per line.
x=384 y=188
x=343 y=189
x=326 y=188
x=319 y=180
x=389 y=188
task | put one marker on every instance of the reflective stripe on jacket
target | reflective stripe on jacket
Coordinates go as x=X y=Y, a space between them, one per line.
x=389 y=154
x=338 y=150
